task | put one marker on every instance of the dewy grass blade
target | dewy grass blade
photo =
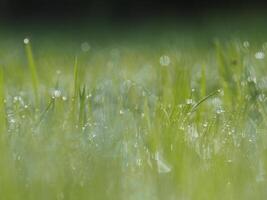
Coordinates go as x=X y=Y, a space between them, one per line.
x=75 y=92
x=82 y=110
x=202 y=100
x=75 y=79
x=203 y=80
x=49 y=106
x=33 y=71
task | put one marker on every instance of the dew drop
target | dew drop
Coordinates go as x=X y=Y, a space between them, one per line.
x=259 y=55
x=189 y=101
x=229 y=161
x=64 y=98
x=205 y=125
x=26 y=41
x=220 y=111
x=165 y=60
x=88 y=96
x=221 y=92
x=56 y=94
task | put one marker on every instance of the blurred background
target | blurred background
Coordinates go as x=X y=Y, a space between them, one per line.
x=124 y=10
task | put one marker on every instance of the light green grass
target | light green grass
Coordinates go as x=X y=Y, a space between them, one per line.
x=113 y=123
x=32 y=68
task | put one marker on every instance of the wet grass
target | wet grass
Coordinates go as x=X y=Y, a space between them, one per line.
x=178 y=116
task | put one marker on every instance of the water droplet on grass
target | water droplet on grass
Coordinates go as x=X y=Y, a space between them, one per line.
x=88 y=96
x=26 y=41
x=189 y=101
x=64 y=98
x=205 y=125
x=18 y=99
x=56 y=94
x=164 y=60
x=259 y=55
x=12 y=121
x=221 y=92
x=220 y=111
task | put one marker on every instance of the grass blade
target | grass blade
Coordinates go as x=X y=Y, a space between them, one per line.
x=202 y=100
x=75 y=78
x=34 y=77
x=203 y=81
x=82 y=112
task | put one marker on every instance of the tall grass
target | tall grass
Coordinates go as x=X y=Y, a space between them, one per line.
x=132 y=128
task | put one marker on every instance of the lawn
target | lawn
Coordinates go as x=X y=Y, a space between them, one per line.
x=144 y=114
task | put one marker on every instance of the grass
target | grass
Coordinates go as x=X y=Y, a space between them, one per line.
x=113 y=122
x=32 y=67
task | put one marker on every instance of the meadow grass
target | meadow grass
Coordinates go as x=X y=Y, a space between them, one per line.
x=175 y=116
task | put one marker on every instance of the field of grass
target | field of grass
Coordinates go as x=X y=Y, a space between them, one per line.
x=158 y=114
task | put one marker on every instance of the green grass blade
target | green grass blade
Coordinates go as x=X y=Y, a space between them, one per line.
x=202 y=100
x=49 y=106
x=82 y=112
x=75 y=92
x=203 y=81
x=33 y=71
x=75 y=78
